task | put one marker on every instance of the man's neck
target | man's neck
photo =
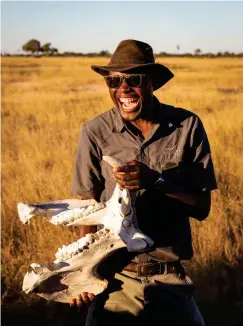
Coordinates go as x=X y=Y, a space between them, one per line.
x=147 y=120
x=144 y=126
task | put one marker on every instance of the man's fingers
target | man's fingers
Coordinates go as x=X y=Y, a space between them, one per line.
x=126 y=168
x=126 y=176
x=85 y=298
x=119 y=168
x=132 y=188
x=133 y=162
x=127 y=183
x=79 y=301
x=82 y=300
x=91 y=296
x=72 y=302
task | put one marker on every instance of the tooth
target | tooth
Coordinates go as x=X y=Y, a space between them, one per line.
x=96 y=236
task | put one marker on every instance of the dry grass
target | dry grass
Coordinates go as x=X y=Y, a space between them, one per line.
x=44 y=103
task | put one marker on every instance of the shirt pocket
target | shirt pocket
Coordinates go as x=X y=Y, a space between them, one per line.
x=159 y=157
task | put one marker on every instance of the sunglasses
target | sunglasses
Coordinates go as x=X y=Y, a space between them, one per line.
x=133 y=80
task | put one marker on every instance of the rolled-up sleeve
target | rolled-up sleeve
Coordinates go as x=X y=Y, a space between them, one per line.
x=87 y=177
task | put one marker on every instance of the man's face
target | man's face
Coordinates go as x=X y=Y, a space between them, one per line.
x=133 y=102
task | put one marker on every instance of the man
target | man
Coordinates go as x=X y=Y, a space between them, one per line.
x=169 y=165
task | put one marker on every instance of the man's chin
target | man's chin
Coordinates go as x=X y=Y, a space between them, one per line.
x=131 y=116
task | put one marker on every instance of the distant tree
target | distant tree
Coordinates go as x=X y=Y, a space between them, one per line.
x=54 y=50
x=104 y=53
x=163 y=54
x=178 y=47
x=197 y=51
x=46 y=47
x=228 y=54
x=32 y=46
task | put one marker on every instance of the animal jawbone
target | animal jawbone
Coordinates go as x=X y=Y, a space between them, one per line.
x=75 y=268
x=73 y=271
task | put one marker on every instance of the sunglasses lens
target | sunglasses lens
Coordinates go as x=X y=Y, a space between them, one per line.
x=113 y=81
x=133 y=80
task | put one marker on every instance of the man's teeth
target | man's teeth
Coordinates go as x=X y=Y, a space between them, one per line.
x=129 y=103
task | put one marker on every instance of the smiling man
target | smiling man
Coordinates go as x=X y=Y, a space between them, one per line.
x=169 y=166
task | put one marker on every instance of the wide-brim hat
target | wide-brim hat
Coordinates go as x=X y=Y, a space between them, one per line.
x=136 y=57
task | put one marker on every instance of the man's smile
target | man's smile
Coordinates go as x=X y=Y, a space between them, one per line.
x=129 y=104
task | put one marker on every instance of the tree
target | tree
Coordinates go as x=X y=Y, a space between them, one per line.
x=197 y=51
x=46 y=47
x=104 y=53
x=54 y=50
x=32 y=46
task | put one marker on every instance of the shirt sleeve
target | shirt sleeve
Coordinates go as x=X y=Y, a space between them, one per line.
x=202 y=174
x=87 y=177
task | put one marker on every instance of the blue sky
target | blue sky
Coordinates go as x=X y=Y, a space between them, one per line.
x=92 y=26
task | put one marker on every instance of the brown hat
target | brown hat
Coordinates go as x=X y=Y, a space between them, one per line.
x=136 y=56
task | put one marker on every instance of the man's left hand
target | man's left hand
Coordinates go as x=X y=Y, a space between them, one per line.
x=82 y=301
x=135 y=175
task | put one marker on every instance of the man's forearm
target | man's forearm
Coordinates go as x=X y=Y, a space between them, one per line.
x=190 y=199
x=198 y=204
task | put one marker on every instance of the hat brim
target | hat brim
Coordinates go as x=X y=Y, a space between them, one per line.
x=160 y=73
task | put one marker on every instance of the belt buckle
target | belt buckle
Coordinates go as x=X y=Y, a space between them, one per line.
x=181 y=271
x=165 y=270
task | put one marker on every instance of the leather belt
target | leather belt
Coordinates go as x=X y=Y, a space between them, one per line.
x=149 y=269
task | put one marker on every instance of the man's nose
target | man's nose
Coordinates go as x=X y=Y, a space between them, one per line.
x=124 y=85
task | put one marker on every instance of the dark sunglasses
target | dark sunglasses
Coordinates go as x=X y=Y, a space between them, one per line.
x=133 y=80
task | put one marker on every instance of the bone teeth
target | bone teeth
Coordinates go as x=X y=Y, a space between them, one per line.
x=69 y=251
x=89 y=237
x=96 y=236
x=69 y=216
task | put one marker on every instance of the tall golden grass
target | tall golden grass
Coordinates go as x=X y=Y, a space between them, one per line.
x=45 y=101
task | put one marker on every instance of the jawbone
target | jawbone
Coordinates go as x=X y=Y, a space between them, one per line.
x=68 y=277
x=75 y=268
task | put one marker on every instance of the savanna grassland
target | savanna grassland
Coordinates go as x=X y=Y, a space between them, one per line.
x=45 y=101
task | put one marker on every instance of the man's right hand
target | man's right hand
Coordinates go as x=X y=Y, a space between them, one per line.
x=82 y=301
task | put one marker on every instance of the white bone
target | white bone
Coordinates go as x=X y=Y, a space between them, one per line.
x=114 y=162
x=74 y=269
